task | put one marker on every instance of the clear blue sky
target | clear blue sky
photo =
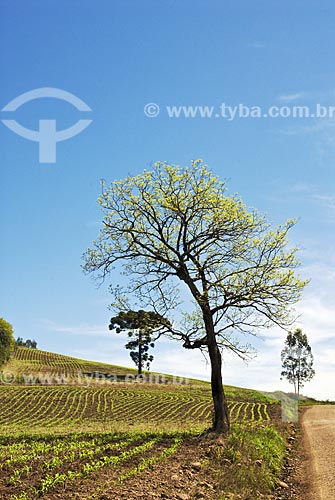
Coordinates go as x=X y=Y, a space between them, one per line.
x=117 y=56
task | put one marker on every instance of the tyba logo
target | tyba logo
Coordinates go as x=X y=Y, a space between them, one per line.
x=47 y=135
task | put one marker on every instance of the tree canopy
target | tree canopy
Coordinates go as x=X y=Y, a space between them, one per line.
x=173 y=226
x=6 y=341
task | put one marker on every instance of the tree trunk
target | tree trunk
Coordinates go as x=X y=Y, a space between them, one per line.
x=139 y=352
x=221 y=421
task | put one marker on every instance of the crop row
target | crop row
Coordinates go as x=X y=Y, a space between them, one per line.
x=34 y=360
x=52 y=464
x=69 y=406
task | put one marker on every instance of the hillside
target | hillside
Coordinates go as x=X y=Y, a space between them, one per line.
x=37 y=367
x=34 y=362
x=46 y=390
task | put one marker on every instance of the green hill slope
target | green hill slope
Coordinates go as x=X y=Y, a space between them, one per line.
x=34 y=361
x=37 y=367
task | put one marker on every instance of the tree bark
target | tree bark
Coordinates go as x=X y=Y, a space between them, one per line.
x=139 y=352
x=221 y=420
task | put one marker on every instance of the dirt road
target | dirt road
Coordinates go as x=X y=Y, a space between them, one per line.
x=318 y=425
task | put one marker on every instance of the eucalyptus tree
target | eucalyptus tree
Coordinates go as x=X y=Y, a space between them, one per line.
x=297 y=360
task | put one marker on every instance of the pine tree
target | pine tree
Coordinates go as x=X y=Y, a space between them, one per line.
x=143 y=328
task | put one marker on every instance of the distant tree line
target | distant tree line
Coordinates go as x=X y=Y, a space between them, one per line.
x=32 y=344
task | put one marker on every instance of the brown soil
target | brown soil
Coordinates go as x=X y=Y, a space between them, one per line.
x=189 y=474
x=318 y=424
x=184 y=476
x=310 y=468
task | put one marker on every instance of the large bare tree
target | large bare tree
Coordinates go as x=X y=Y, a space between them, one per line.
x=173 y=228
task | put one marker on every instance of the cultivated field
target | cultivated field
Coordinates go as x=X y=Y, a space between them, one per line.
x=65 y=409
x=71 y=441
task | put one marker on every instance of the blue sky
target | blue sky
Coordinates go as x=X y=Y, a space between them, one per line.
x=117 y=56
